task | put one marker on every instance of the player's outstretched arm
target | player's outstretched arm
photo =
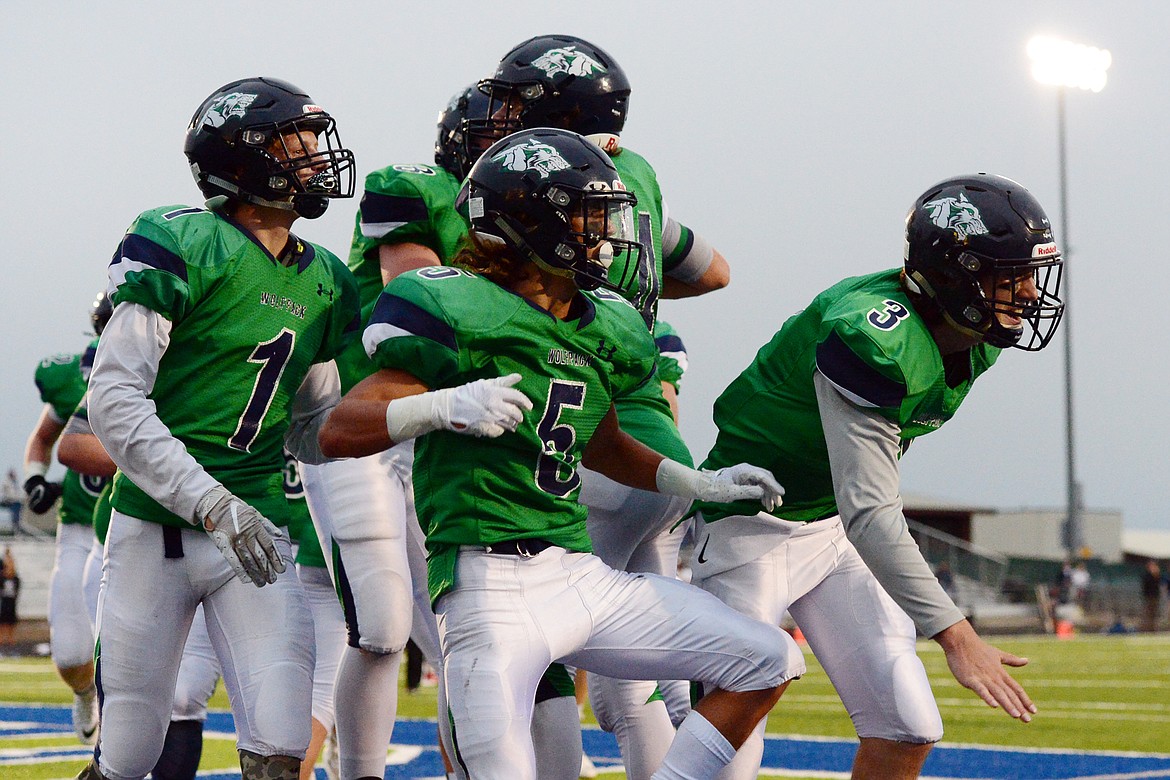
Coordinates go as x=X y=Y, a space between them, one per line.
x=624 y=459
x=392 y=406
x=980 y=666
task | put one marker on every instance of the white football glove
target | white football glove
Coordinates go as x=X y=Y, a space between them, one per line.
x=243 y=535
x=486 y=407
x=741 y=482
x=483 y=408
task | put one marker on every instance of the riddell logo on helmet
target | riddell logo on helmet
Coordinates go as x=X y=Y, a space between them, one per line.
x=310 y=108
x=1045 y=250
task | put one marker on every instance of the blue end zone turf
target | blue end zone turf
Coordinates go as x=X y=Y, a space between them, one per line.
x=419 y=758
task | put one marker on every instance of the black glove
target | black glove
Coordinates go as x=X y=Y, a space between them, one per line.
x=42 y=493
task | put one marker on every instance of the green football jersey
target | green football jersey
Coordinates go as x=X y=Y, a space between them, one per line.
x=448 y=327
x=245 y=330
x=102 y=510
x=641 y=286
x=672 y=354
x=865 y=337
x=402 y=204
x=80 y=492
x=60 y=383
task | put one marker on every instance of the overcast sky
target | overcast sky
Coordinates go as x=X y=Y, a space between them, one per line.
x=794 y=136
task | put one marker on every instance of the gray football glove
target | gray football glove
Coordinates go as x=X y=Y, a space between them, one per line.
x=740 y=482
x=242 y=534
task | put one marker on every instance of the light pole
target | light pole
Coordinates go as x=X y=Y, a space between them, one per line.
x=1066 y=65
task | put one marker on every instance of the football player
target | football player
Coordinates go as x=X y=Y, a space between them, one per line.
x=830 y=405
x=218 y=354
x=513 y=584
x=61 y=384
x=565 y=82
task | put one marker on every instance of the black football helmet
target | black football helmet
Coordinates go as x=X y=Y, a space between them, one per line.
x=558 y=81
x=555 y=198
x=453 y=152
x=237 y=144
x=100 y=311
x=965 y=234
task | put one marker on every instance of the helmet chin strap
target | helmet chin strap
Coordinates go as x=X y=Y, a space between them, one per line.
x=246 y=197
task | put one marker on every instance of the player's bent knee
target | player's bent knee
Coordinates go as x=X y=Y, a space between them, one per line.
x=254 y=766
x=769 y=658
x=383 y=607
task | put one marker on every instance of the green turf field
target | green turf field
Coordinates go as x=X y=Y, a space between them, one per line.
x=1094 y=693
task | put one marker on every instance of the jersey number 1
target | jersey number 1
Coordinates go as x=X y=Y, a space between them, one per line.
x=272 y=356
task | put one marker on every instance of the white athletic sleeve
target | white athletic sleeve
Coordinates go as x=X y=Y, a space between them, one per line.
x=697 y=257
x=125 y=419
x=314 y=401
x=863 y=456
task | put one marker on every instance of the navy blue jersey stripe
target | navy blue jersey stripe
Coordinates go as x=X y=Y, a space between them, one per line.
x=681 y=250
x=670 y=344
x=142 y=250
x=412 y=318
x=846 y=370
x=376 y=208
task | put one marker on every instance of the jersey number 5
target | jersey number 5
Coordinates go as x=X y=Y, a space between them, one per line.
x=272 y=356
x=558 y=439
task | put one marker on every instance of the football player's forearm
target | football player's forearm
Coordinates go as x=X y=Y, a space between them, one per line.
x=621 y=457
x=85 y=454
x=38 y=450
x=125 y=419
x=863 y=457
x=355 y=428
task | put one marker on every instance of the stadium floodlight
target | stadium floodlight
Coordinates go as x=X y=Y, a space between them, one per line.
x=1067 y=64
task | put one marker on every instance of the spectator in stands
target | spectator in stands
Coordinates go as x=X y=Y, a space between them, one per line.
x=1079 y=585
x=12 y=499
x=9 y=590
x=1151 y=595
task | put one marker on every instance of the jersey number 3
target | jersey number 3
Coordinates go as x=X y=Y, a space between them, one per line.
x=555 y=471
x=272 y=356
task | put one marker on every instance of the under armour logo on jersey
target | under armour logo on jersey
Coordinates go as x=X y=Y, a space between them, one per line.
x=322 y=291
x=227 y=106
x=532 y=156
x=568 y=60
x=958 y=214
x=604 y=352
